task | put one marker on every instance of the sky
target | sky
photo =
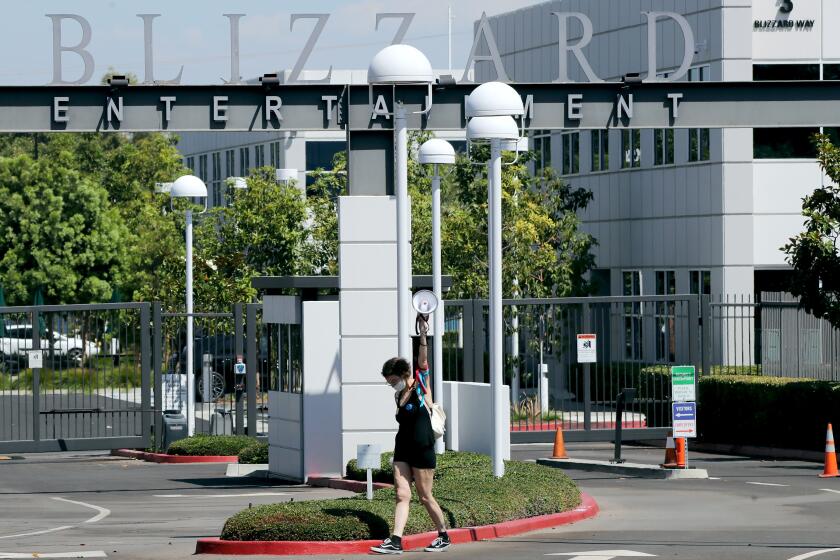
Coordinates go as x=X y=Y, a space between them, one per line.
x=195 y=34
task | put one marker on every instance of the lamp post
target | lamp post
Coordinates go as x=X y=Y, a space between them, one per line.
x=401 y=65
x=491 y=108
x=437 y=152
x=189 y=186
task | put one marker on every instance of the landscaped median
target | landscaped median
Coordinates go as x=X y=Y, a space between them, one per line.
x=205 y=449
x=477 y=506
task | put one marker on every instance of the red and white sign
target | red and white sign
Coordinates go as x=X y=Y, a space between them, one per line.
x=587 y=349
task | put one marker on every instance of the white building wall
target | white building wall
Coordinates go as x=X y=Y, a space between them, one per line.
x=730 y=214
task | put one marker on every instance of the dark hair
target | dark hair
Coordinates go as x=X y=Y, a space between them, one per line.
x=396 y=366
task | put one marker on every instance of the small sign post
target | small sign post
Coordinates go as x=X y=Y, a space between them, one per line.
x=36 y=359
x=587 y=348
x=684 y=417
x=683 y=384
x=368 y=457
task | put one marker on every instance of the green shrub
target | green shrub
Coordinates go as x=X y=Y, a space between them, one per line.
x=255 y=454
x=210 y=445
x=767 y=411
x=465 y=488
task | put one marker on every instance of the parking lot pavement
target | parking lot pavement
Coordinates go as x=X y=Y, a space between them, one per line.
x=90 y=503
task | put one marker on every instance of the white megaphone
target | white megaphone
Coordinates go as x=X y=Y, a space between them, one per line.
x=424 y=302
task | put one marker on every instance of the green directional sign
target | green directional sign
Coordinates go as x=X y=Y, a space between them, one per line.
x=682 y=384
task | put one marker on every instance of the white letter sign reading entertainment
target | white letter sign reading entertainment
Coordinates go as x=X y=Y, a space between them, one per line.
x=587 y=349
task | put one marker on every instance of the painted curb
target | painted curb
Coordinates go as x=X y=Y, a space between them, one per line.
x=174 y=459
x=345 y=484
x=588 y=508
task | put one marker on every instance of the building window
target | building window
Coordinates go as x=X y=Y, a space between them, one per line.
x=230 y=163
x=698 y=144
x=663 y=145
x=274 y=154
x=571 y=152
x=191 y=164
x=700 y=282
x=259 y=155
x=320 y=154
x=202 y=167
x=784 y=143
x=785 y=72
x=698 y=138
x=632 y=286
x=631 y=148
x=542 y=150
x=666 y=285
x=217 y=180
x=244 y=161
x=600 y=150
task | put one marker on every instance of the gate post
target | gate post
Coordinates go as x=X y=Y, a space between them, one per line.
x=157 y=366
x=587 y=374
x=238 y=337
x=468 y=373
x=705 y=334
x=145 y=370
x=36 y=378
x=251 y=371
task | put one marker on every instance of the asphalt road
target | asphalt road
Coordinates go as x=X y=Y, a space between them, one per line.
x=750 y=509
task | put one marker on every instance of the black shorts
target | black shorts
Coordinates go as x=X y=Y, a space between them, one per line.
x=419 y=457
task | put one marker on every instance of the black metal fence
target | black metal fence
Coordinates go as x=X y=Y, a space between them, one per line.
x=637 y=340
x=75 y=377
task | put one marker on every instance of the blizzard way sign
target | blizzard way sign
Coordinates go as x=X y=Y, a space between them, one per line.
x=682 y=384
x=684 y=416
x=587 y=348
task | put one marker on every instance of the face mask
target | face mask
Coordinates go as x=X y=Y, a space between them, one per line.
x=399 y=386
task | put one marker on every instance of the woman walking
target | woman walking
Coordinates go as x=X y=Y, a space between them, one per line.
x=414 y=449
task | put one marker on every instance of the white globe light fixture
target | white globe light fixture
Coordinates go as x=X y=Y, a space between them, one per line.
x=490 y=109
x=401 y=65
x=189 y=186
x=437 y=152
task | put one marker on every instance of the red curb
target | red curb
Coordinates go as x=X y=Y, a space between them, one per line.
x=174 y=459
x=588 y=508
x=345 y=484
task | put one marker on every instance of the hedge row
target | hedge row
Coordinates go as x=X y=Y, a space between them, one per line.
x=254 y=454
x=767 y=411
x=210 y=445
x=465 y=488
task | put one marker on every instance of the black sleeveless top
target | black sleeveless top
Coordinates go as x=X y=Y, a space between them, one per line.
x=415 y=424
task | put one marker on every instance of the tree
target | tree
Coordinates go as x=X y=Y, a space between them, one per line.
x=59 y=232
x=813 y=254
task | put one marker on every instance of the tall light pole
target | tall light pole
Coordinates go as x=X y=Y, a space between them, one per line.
x=490 y=108
x=397 y=65
x=437 y=152
x=189 y=186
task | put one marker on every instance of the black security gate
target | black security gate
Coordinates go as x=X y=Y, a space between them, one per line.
x=75 y=377
x=638 y=338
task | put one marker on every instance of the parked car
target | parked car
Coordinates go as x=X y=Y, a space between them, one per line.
x=221 y=351
x=17 y=340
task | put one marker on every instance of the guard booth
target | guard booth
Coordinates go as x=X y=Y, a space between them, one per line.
x=320 y=402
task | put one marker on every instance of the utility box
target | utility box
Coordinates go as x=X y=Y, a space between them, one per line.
x=221 y=423
x=174 y=427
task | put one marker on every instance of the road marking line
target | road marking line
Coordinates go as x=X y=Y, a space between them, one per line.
x=767 y=484
x=830 y=490
x=44 y=532
x=83 y=554
x=103 y=512
x=714 y=478
x=253 y=495
x=815 y=553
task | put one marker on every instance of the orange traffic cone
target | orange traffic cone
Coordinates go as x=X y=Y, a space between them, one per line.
x=830 y=456
x=679 y=449
x=670 y=453
x=559 y=446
